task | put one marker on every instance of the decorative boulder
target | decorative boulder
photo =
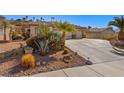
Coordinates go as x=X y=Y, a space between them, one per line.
x=67 y=58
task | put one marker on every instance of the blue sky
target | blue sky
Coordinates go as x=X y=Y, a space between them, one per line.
x=98 y=21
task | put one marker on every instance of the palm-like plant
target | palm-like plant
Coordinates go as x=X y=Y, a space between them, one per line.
x=118 y=22
x=64 y=27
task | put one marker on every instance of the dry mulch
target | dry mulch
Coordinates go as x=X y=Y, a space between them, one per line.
x=117 y=43
x=10 y=67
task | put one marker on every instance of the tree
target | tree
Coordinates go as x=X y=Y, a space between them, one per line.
x=89 y=27
x=118 y=22
x=33 y=18
x=64 y=27
x=26 y=17
x=41 y=19
x=52 y=19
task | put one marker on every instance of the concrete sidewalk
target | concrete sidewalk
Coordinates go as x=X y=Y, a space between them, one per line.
x=70 y=72
x=109 y=69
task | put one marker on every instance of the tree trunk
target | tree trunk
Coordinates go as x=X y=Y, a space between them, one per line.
x=4 y=33
x=121 y=34
x=63 y=39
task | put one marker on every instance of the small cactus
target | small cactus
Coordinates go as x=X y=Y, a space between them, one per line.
x=28 y=60
x=65 y=52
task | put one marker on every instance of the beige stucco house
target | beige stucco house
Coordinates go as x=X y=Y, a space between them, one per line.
x=33 y=27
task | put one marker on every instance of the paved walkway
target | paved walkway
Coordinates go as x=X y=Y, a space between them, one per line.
x=106 y=63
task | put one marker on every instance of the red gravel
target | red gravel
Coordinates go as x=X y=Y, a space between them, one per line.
x=11 y=66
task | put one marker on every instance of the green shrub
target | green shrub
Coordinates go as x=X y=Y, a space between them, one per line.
x=45 y=40
x=55 y=41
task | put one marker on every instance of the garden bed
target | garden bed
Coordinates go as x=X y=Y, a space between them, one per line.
x=117 y=43
x=11 y=67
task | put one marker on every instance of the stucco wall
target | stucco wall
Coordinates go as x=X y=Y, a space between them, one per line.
x=107 y=33
x=99 y=35
x=78 y=34
x=93 y=35
x=68 y=35
x=2 y=34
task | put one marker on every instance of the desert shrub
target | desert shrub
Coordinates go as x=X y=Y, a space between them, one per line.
x=45 y=40
x=28 y=60
x=55 y=41
x=30 y=42
x=119 y=43
x=17 y=35
x=65 y=51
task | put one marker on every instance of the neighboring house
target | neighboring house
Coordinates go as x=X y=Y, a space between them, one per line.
x=99 y=33
x=33 y=28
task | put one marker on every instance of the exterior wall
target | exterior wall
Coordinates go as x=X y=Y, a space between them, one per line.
x=93 y=35
x=100 y=34
x=33 y=31
x=69 y=36
x=1 y=34
x=108 y=33
x=78 y=35
x=7 y=34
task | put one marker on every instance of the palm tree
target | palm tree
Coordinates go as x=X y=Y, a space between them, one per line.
x=89 y=27
x=64 y=27
x=118 y=22
x=33 y=18
x=52 y=19
x=26 y=17
x=41 y=19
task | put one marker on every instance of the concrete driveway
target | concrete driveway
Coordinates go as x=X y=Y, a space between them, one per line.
x=99 y=51
x=105 y=62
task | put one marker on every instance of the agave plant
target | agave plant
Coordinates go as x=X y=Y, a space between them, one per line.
x=42 y=45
